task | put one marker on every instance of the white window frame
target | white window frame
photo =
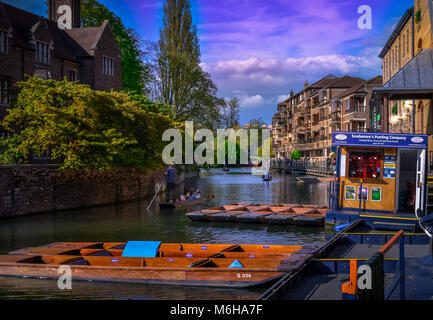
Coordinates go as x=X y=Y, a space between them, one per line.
x=107 y=69
x=43 y=52
x=75 y=71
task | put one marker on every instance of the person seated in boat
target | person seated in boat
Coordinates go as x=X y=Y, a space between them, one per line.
x=188 y=196
x=182 y=197
x=197 y=194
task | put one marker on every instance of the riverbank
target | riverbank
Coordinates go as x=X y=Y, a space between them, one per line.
x=33 y=189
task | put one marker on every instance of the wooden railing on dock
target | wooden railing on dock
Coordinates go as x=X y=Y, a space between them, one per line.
x=321 y=168
x=376 y=263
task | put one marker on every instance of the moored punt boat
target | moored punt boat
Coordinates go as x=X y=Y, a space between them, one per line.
x=226 y=265
x=167 y=271
x=228 y=215
x=203 y=215
x=308 y=215
x=164 y=249
x=183 y=204
x=234 y=214
x=260 y=214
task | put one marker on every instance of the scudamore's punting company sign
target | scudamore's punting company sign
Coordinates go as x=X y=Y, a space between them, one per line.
x=378 y=139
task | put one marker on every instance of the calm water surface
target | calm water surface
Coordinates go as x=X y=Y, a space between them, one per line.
x=132 y=221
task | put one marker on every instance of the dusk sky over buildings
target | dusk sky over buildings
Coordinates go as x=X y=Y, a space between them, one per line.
x=259 y=50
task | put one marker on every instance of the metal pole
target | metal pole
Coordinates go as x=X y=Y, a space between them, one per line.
x=402 y=271
x=360 y=197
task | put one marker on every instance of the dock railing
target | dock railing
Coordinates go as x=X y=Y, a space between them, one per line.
x=376 y=263
x=317 y=167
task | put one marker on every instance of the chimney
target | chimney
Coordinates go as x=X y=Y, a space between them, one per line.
x=292 y=94
x=306 y=84
x=67 y=13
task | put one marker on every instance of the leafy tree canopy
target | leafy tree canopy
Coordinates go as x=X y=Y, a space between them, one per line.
x=296 y=155
x=84 y=128
x=135 y=74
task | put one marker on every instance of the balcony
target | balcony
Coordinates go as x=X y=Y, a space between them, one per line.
x=336 y=118
x=300 y=129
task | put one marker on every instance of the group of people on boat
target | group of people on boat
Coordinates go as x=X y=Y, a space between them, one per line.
x=188 y=196
x=171 y=175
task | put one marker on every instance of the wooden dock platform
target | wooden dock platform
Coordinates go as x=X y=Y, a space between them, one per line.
x=322 y=276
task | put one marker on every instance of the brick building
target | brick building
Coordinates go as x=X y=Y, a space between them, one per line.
x=306 y=120
x=56 y=48
x=404 y=103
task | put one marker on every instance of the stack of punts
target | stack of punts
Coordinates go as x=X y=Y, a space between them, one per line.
x=302 y=215
x=153 y=262
x=206 y=214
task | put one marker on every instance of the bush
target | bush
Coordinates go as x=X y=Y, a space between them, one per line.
x=84 y=128
x=296 y=155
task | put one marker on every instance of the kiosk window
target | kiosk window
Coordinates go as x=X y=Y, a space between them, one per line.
x=364 y=165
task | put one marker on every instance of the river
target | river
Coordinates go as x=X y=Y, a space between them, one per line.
x=132 y=221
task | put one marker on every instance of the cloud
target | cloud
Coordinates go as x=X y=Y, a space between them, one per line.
x=283 y=98
x=262 y=83
x=251 y=101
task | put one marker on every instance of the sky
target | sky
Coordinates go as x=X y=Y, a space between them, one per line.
x=259 y=50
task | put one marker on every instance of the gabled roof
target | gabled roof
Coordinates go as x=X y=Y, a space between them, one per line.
x=417 y=74
x=325 y=81
x=88 y=38
x=21 y=21
x=360 y=88
x=407 y=15
x=344 y=82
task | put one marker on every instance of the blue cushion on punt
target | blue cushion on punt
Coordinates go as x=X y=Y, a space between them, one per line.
x=236 y=264
x=141 y=249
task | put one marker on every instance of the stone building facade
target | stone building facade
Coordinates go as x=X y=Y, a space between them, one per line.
x=32 y=45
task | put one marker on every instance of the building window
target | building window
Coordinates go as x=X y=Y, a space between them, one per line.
x=43 y=74
x=42 y=52
x=73 y=75
x=3 y=42
x=4 y=92
x=365 y=165
x=108 y=66
x=404 y=43
x=407 y=41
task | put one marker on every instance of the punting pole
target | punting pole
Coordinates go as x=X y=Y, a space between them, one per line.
x=160 y=185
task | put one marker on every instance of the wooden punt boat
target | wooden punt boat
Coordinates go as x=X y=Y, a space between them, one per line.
x=163 y=271
x=173 y=264
x=164 y=249
x=204 y=215
x=234 y=214
x=260 y=214
x=228 y=215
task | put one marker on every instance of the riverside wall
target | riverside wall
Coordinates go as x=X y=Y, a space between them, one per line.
x=31 y=189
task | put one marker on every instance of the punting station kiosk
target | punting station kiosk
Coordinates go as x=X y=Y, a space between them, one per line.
x=380 y=172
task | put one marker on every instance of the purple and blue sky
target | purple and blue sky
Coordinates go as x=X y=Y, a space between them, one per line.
x=258 y=50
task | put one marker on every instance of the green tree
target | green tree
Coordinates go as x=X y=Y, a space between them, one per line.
x=296 y=155
x=257 y=123
x=84 y=128
x=180 y=81
x=135 y=73
x=232 y=113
